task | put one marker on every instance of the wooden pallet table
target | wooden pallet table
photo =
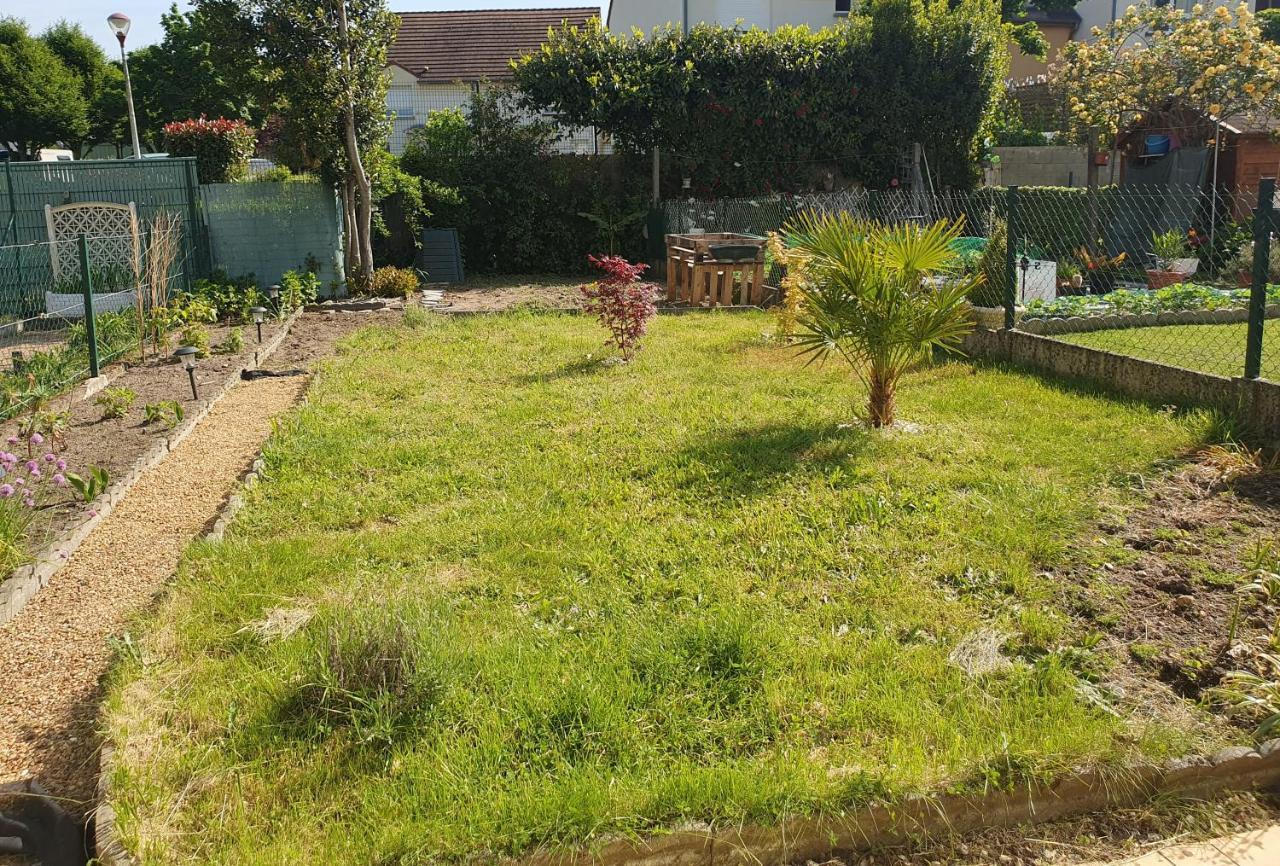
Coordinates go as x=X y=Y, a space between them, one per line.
x=715 y=269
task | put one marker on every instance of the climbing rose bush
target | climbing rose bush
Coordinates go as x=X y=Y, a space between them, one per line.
x=623 y=304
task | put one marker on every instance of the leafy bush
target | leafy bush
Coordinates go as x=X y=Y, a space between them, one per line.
x=992 y=289
x=1173 y=299
x=233 y=343
x=221 y=147
x=115 y=402
x=394 y=282
x=297 y=289
x=231 y=299
x=623 y=304
x=518 y=206
x=1242 y=262
x=166 y=413
x=847 y=97
x=196 y=336
x=880 y=297
x=28 y=487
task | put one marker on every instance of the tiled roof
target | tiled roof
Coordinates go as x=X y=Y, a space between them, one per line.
x=474 y=45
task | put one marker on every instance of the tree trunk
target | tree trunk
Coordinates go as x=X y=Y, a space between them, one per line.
x=351 y=248
x=1093 y=218
x=880 y=399
x=355 y=166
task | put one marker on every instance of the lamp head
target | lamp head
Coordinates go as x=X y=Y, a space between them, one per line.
x=187 y=355
x=259 y=313
x=119 y=24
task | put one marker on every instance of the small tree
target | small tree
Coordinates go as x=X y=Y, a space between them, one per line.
x=41 y=99
x=221 y=147
x=1163 y=67
x=623 y=304
x=880 y=297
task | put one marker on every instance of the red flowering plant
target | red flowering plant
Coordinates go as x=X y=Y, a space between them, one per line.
x=221 y=147
x=622 y=303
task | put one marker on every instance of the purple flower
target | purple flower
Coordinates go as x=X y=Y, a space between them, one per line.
x=32 y=466
x=36 y=439
x=6 y=490
x=12 y=440
x=19 y=481
x=93 y=512
x=8 y=457
x=49 y=458
x=60 y=480
x=35 y=473
x=61 y=465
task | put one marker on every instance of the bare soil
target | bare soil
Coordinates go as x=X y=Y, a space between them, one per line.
x=496 y=294
x=55 y=652
x=1169 y=574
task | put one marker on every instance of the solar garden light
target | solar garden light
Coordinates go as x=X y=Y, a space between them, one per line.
x=119 y=24
x=273 y=292
x=187 y=354
x=259 y=313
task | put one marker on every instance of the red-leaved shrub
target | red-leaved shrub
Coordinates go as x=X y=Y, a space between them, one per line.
x=623 y=304
x=221 y=147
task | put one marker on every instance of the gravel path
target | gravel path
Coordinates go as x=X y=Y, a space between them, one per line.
x=54 y=653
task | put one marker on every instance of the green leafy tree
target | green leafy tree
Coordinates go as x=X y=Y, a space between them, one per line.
x=41 y=100
x=203 y=67
x=323 y=68
x=101 y=83
x=879 y=297
x=749 y=111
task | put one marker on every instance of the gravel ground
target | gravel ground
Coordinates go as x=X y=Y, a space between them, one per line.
x=55 y=652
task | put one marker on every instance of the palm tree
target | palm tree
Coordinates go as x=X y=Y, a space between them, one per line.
x=882 y=297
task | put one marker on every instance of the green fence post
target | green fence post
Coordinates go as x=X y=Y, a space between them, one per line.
x=1263 y=218
x=90 y=327
x=1011 y=259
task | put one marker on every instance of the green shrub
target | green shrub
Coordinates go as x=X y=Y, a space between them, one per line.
x=166 y=413
x=221 y=147
x=297 y=289
x=394 y=282
x=230 y=298
x=233 y=343
x=196 y=336
x=115 y=402
x=993 y=267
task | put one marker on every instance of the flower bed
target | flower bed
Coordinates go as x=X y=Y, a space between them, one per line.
x=1183 y=297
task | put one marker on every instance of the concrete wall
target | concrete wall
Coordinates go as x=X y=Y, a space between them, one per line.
x=1255 y=402
x=1042 y=166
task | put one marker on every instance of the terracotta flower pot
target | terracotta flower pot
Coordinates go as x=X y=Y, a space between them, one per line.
x=1157 y=280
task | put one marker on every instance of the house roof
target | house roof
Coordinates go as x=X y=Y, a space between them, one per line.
x=476 y=44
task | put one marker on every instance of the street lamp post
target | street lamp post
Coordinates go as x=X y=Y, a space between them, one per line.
x=119 y=24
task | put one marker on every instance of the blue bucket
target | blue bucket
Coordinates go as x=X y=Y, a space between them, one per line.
x=1157 y=145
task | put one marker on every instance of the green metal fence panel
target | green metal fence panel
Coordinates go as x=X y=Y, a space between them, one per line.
x=268 y=228
x=153 y=186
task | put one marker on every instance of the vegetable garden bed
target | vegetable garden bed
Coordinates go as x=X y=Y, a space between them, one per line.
x=495 y=595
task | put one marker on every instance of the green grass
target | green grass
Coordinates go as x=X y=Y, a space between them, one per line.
x=553 y=601
x=1217 y=349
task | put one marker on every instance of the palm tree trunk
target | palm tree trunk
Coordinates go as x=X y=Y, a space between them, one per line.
x=881 y=399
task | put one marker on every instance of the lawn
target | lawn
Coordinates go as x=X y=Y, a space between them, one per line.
x=1208 y=348
x=495 y=595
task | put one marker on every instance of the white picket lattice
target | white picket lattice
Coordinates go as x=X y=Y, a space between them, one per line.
x=111 y=230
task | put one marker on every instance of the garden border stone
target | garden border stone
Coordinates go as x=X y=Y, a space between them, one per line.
x=27 y=580
x=876 y=826
x=1080 y=324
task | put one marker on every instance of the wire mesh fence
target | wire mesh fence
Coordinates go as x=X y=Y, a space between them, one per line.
x=58 y=328
x=1165 y=274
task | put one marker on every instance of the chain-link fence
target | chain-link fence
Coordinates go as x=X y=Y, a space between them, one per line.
x=1165 y=274
x=60 y=325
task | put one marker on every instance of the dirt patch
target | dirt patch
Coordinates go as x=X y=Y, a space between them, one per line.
x=1169 y=573
x=496 y=294
x=56 y=650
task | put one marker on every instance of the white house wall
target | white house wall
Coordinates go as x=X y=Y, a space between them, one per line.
x=410 y=104
x=627 y=15
x=1099 y=13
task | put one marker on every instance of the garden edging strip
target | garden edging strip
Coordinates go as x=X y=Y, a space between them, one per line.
x=27 y=580
x=799 y=840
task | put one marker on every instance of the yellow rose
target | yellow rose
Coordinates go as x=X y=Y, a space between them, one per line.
x=1216 y=108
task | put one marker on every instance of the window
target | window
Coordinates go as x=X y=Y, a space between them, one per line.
x=843 y=7
x=1267 y=4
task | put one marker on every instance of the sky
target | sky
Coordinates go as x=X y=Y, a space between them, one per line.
x=92 y=14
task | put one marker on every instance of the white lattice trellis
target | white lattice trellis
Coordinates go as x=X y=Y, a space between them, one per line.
x=112 y=232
